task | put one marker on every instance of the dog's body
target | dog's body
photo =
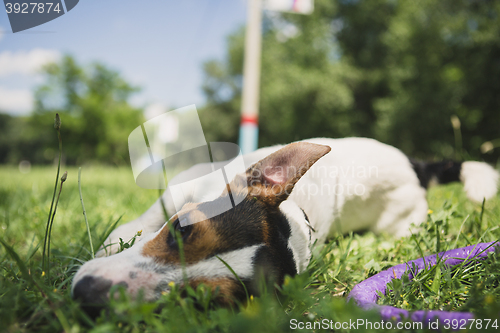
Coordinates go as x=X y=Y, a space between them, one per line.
x=361 y=184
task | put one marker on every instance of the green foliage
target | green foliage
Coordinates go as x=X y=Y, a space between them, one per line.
x=96 y=116
x=393 y=70
x=467 y=287
x=30 y=302
x=125 y=245
x=462 y=288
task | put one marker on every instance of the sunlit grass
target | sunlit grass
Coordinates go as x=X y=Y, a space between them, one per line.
x=35 y=304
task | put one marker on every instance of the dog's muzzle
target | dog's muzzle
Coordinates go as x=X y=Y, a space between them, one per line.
x=92 y=293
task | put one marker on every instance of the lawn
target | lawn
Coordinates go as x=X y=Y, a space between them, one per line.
x=31 y=301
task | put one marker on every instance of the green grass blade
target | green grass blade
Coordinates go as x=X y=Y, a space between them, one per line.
x=235 y=275
x=84 y=212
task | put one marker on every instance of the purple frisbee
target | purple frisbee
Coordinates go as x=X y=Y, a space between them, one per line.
x=365 y=293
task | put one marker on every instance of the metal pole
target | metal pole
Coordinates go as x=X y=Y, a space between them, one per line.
x=249 y=127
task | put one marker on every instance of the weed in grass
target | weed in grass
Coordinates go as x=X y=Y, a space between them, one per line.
x=84 y=212
x=57 y=126
x=125 y=245
x=176 y=233
x=63 y=179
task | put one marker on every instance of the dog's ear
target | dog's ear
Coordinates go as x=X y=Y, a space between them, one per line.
x=273 y=178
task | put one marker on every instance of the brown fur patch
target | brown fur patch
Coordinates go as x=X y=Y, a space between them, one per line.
x=265 y=231
x=202 y=242
x=237 y=188
x=227 y=288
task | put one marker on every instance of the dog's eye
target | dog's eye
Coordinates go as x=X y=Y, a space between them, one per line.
x=179 y=228
x=183 y=231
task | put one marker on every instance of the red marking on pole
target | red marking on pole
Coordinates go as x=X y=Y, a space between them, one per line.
x=245 y=119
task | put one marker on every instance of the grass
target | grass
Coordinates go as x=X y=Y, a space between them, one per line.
x=31 y=302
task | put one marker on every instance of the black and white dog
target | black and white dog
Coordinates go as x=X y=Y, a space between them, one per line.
x=339 y=185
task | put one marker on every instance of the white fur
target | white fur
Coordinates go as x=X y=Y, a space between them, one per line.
x=117 y=269
x=300 y=234
x=239 y=260
x=352 y=188
x=360 y=184
x=327 y=192
x=480 y=180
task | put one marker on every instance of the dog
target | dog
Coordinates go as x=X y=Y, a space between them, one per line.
x=291 y=197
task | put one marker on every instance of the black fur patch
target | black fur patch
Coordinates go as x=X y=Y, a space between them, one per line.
x=445 y=171
x=239 y=227
x=250 y=223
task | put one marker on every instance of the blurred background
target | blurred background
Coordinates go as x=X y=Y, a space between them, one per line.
x=421 y=75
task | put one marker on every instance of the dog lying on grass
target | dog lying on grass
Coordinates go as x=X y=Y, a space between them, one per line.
x=291 y=196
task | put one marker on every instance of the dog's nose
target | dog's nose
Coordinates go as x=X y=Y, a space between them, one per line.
x=92 y=292
x=92 y=289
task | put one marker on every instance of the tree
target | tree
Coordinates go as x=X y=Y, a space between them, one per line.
x=302 y=90
x=389 y=69
x=96 y=115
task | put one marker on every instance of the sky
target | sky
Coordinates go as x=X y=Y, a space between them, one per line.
x=158 y=45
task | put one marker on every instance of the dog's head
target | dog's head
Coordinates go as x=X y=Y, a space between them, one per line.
x=252 y=238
